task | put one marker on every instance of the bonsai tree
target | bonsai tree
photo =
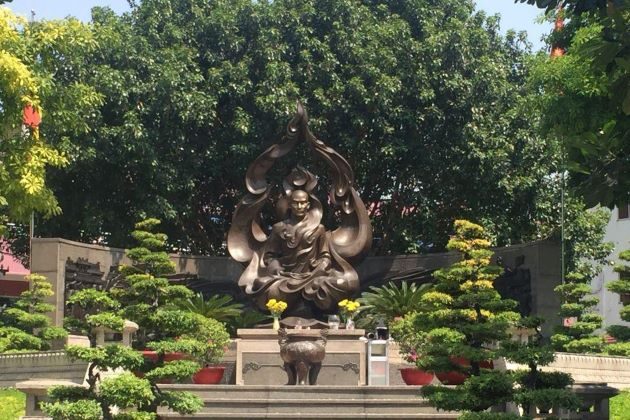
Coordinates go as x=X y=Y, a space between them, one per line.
x=461 y=320
x=173 y=340
x=25 y=326
x=214 y=334
x=586 y=252
x=537 y=389
x=621 y=333
x=91 y=308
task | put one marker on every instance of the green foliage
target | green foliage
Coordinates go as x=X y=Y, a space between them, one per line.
x=25 y=326
x=219 y=307
x=112 y=356
x=585 y=345
x=620 y=405
x=458 y=320
x=249 y=318
x=477 y=393
x=68 y=392
x=530 y=353
x=179 y=370
x=585 y=99
x=26 y=79
x=106 y=319
x=143 y=415
x=13 y=403
x=148 y=299
x=182 y=401
x=545 y=399
x=618 y=349
x=126 y=390
x=90 y=298
x=585 y=253
x=535 y=388
x=192 y=91
x=489 y=416
x=391 y=301
x=97 y=308
x=543 y=380
x=73 y=410
x=622 y=286
x=620 y=332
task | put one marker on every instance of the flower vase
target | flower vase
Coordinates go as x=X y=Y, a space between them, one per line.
x=349 y=323
x=276 y=323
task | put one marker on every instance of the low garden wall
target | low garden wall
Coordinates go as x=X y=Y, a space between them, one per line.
x=584 y=368
x=19 y=367
x=614 y=370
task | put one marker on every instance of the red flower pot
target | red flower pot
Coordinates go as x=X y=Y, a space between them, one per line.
x=458 y=378
x=414 y=376
x=451 y=378
x=168 y=357
x=209 y=375
x=153 y=356
x=465 y=363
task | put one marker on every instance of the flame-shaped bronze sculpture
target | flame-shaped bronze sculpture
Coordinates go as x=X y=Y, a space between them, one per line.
x=298 y=261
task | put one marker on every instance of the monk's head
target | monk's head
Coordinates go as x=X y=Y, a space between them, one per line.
x=299 y=202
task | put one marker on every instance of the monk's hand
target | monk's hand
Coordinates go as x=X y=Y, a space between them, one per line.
x=322 y=264
x=274 y=267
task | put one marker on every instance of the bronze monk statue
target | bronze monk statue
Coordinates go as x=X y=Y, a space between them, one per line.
x=298 y=261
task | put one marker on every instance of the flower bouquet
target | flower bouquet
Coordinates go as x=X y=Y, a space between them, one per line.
x=348 y=309
x=276 y=307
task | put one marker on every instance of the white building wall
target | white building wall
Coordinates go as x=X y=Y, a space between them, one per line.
x=618 y=232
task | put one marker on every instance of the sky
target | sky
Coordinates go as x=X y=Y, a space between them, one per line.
x=513 y=16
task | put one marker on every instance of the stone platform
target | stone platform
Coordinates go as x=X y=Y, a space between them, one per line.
x=307 y=402
x=258 y=359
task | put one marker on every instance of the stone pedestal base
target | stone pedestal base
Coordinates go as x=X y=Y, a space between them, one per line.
x=258 y=359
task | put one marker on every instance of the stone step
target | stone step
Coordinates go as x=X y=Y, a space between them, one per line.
x=278 y=416
x=321 y=406
x=310 y=402
x=296 y=392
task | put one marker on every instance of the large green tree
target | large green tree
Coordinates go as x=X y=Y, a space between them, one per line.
x=585 y=99
x=426 y=102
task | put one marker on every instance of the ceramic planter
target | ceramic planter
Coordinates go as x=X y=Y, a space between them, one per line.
x=415 y=376
x=209 y=375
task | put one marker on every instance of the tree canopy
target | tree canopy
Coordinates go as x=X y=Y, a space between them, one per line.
x=426 y=103
x=32 y=58
x=586 y=97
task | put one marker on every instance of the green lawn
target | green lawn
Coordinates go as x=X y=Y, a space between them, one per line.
x=12 y=402
x=620 y=406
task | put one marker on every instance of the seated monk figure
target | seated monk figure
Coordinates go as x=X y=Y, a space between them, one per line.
x=297 y=264
x=298 y=260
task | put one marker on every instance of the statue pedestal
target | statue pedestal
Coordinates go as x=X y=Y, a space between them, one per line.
x=258 y=360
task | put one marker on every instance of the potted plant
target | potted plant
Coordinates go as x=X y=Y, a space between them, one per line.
x=390 y=302
x=217 y=339
x=409 y=341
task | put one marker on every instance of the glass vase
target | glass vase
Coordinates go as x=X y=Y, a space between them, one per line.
x=276 y=323
x=350 y=323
